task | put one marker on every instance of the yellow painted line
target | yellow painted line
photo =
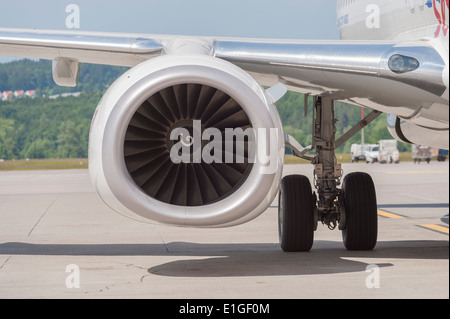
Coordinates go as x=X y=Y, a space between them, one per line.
x=417 y=172
x=389 y=215
x=438 y=228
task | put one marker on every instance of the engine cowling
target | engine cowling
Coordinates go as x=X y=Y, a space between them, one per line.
x=411 y=133
x=131 y=141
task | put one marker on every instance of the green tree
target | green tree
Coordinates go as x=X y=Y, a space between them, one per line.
x=37 y=75
x=40 y=148
x=7 y=143
x=69 y=141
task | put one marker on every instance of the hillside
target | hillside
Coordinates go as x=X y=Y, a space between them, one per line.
x=37 y=75
x=59 y=128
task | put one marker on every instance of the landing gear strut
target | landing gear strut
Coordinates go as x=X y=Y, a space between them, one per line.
x=352 y=208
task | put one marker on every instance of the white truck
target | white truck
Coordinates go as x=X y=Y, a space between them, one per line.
x=372 y=153
x=388 y=152
x=358 y=152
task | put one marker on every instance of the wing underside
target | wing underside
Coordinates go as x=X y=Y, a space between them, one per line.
x=365 y=73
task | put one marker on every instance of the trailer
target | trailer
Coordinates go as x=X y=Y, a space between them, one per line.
x=421 y=153
x=388 y=152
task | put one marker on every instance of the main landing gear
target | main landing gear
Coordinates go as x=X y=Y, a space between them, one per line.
x=352 y=208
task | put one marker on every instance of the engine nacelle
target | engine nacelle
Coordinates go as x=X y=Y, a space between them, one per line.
x=411 y=133
x=136 y=126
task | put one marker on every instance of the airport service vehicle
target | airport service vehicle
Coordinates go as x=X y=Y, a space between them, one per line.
x=419 y=153
x=358 y=152
x=155 y=141
x=442 y=155
x=388 y=152
x=372 y=153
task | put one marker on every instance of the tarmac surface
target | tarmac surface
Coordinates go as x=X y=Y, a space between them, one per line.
x=59 y=240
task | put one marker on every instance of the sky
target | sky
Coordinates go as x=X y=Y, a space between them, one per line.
x=300 y=19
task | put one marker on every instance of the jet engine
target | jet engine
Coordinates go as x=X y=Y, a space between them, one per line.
x=411 y=133
x=132 y=161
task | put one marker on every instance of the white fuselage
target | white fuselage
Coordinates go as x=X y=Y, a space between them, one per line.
x=397 y=20
x=404 y=20
x=409 y=23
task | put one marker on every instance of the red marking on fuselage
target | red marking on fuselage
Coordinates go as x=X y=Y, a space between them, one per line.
x=441 y=17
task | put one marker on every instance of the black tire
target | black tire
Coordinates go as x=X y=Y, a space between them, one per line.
x=361 y=214
x=295 y=214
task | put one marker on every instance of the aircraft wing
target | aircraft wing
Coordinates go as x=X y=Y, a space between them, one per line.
x=307 y=66
x=392 y=77
x=87 y=47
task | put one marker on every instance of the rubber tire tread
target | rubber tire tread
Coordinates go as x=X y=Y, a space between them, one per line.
x=297 y=233
x=361 y=212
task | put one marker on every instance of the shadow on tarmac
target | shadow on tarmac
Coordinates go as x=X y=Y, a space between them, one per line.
x=237 y=260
